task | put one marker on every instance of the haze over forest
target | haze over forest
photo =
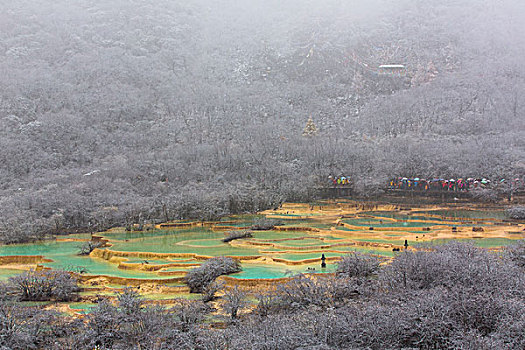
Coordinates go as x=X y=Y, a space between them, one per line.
x=124 y=111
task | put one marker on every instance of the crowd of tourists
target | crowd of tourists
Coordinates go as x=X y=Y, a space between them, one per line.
x=438 y=184
x=339 y=180
x=456 y=185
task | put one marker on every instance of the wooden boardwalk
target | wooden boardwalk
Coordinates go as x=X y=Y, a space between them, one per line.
x=348 y=191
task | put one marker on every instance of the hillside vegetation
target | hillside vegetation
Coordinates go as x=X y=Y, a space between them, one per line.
x=128 y=111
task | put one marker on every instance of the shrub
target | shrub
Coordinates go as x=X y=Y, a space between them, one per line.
x=265 y=224
x=87 y=247
x=132 y=325
x=129 y=301
x=268 y=302
x=44 y=285
x=232 y=235
x=23 y=328
x=322 y=291
x=357 y=265
x=189 y=313
x=199 y=278
x=448 y=265
x=234 y=300
x=517 y=213
x=485 y=195
x=516 y=253
x=208 y=292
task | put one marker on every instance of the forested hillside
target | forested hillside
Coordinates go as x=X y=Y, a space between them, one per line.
x=133 y=110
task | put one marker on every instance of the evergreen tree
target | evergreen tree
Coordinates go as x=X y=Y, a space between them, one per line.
x=310 y=129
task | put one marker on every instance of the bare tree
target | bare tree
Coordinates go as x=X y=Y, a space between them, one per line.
x=200 y=277
x=45 y=285
x=234 y=300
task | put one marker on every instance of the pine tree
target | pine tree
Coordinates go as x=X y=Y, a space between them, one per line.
x=310 y=129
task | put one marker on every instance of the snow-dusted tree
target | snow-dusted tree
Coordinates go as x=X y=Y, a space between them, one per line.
x=310 y=129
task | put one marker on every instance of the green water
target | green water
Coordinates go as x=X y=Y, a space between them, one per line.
x=237 y=225
x=305 y=256
x=367 y=250
x=278 y=234
x=202 y=240
x=151 y=261
x=308 y=223
x=445 y=215
x=470 y=214
x=369 y=222
x=6 y=273
x=402 y=216
x=481 y=242
x=82 y=308
x=35 y=303
x=301 y=242
x=189 y=233
x=387 y=241
x=256 y=271
x=247 y=218
x=64 y=256
x=177 y=269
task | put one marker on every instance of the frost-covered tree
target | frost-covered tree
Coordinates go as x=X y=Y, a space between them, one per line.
x=310 y=129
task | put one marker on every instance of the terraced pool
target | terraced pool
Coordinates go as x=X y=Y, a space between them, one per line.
x=296 y=245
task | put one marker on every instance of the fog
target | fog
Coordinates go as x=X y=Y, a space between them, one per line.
x=126 y=111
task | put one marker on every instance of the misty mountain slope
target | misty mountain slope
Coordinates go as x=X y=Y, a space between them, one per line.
x=134 y=110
